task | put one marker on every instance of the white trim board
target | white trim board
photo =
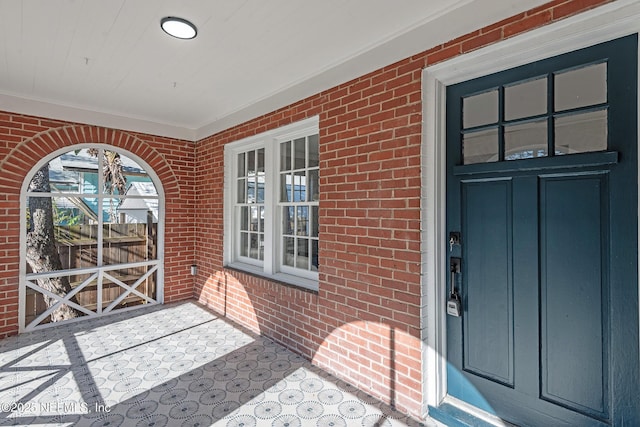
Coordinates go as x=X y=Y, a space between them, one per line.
x=608 y=22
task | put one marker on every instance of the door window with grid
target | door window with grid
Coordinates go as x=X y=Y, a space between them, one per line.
x=562 y=112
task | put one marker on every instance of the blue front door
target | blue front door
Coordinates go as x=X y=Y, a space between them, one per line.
x=542 y=209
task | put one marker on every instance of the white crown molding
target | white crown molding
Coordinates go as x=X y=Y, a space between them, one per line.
x=50 y=110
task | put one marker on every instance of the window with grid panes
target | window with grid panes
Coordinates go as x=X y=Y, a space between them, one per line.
x=250 y=204
x=271 y=204
x=299 y=179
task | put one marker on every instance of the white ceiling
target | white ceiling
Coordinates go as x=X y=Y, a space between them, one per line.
x=107 y=62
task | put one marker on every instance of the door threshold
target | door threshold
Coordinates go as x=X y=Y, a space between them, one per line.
x=453 y=412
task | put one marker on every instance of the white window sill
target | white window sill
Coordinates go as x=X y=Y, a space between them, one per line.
x=288 y=279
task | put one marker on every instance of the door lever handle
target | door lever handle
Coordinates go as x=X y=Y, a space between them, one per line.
x=454 y=264
x=454 y=306
x=454 y=268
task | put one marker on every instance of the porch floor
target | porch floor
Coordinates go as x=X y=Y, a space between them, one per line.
x=173 y=365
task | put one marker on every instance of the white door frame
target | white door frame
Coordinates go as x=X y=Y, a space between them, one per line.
x=608 y=22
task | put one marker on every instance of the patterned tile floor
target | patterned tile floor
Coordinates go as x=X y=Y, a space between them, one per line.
x=172 y=365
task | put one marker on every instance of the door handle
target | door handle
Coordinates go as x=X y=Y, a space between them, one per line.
x=454 y=305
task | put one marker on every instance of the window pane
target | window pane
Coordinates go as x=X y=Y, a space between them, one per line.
x=260 y=178
x=75 y=235
x=300 y=155
x=480 y=147
x=299 y=186
x=66 y=173
x=110 y=209
x=260 y=190
x=242 y=186
x=525 y=141
x=303 y=221
x=582 y=87
x=254 y=246
x=242 y=171
x=314 y=255
x=119 y=167
x=89 y=183
x=251 y=163
x=581 y=133
x=254 y=219
x=261 y=160
x=314 y=221
x=314 y=186
x=314 y=157
x=285 y=156
x=288 y=251
x=251 y=189
x=63 y=179
x=129 y=242
x=69 y=211
x=124 y=242
x=288 y=220
x=261 y=247
x=244 y=218
x=142 y=186
x=525 y=99
x=244 y=244
x=286 y=192
x=261 y=220
x=480 y=109
x=302 y=260
x=129 y=166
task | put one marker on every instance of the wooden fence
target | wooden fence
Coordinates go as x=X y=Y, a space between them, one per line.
x=121 y=244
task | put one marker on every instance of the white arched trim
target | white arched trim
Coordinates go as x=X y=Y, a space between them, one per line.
x=154 y=266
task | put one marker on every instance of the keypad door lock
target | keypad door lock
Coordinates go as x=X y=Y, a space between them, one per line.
x=454 y=308
x=454 y=305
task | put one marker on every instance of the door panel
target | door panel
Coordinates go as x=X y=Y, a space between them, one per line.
x=574 y=289
x=549 y=285
x=488 y=320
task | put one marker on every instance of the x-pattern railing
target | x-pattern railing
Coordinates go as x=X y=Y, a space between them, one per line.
x=97 y=275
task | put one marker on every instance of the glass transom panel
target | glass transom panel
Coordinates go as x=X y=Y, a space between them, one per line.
x=562 y=112
x=525 y=99
x=481 y=109
x=581 y=87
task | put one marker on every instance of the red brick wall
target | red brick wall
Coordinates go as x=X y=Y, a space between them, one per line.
x=364 y=322
x=25 y=140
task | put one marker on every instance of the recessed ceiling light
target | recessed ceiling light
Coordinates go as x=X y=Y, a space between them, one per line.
x=178 y=27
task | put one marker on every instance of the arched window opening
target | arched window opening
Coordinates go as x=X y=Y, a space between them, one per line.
x=92 y=237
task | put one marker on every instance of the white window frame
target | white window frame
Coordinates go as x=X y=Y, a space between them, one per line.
x=271 y=267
